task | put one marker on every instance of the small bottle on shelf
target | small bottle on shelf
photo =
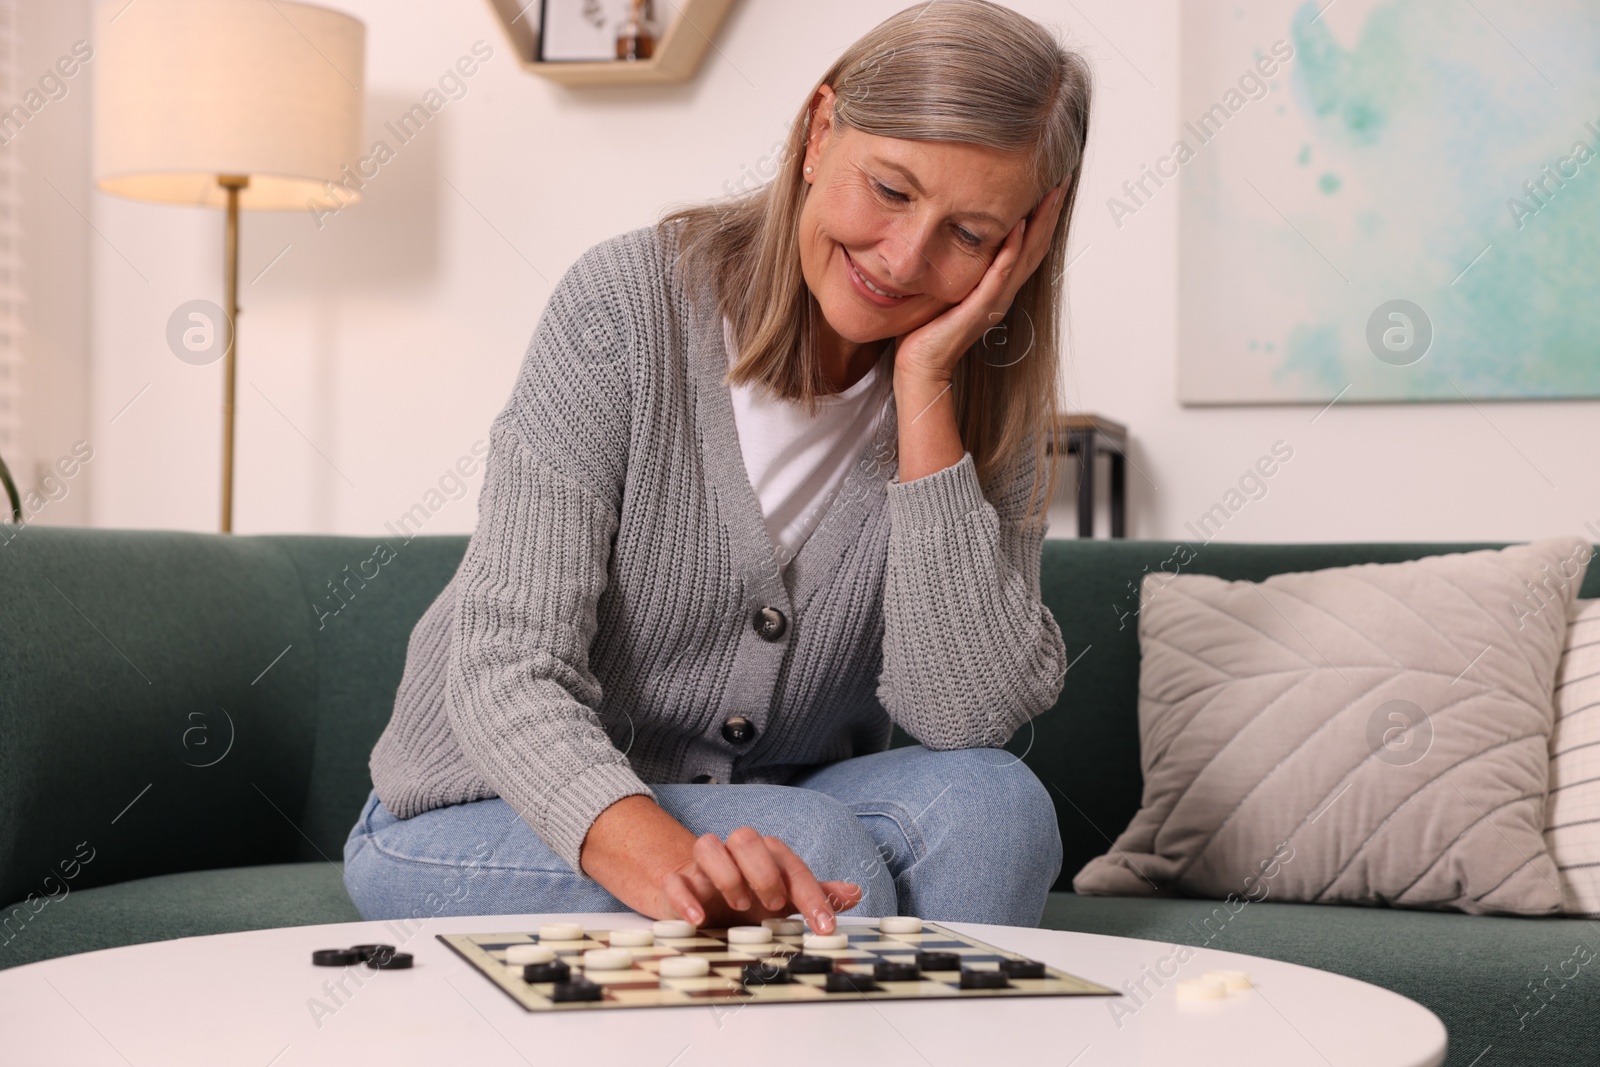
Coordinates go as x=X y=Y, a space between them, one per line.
x=636 y=37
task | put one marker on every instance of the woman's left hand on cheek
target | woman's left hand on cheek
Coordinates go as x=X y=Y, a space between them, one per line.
x=933 y=349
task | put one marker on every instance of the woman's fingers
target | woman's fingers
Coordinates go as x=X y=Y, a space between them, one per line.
x=714 y=859
x=1012 y=247
x=755 y=862
x=755 y=874
x=1038 y=227
x=1023 y=250
x=1044 y=226
x=842 y=896
x=702 y=887
x=682 y=899
x=973 y=316
x=809 y=897
x=1049 y=206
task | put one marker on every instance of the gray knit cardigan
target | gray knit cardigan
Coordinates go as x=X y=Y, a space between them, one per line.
x=607 y=618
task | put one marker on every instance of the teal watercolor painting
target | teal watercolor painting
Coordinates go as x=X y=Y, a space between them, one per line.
x=1387 y=201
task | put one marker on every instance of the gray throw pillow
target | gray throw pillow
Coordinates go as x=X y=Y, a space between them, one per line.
x=1375 y=734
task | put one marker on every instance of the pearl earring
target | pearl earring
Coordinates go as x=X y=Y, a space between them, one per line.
x=808 y=170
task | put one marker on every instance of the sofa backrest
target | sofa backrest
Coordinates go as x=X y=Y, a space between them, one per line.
x=180 y=701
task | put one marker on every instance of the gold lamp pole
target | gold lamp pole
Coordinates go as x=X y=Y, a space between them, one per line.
x=233 y=183
x=226 y=103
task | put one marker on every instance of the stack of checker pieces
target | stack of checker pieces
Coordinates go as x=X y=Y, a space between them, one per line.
x=923 y=961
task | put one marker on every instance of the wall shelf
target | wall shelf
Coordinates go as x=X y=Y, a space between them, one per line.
x=678 y=53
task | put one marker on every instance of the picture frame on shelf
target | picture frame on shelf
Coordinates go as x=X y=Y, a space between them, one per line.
x=580 y=31
x=665 y=44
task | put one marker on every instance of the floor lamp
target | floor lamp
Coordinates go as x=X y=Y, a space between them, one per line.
x=240 y=104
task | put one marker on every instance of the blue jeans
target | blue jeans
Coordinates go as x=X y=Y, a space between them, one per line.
x=963 y=836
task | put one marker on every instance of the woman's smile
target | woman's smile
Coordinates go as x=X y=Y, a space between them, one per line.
x=874 y=293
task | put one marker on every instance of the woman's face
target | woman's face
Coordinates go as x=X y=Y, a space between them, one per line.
x=921 y=220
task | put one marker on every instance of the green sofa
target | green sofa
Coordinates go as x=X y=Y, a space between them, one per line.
x=184 y=731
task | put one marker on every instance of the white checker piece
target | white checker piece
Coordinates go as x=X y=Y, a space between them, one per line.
x=631 y=938
x=1196 y=989
x=607 y=959
x=1234 y=981
x=682 y=967
x=819 y=942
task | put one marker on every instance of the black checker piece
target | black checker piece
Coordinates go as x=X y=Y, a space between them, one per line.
x=841 y=982
x=939 y=961
x=576 y=989
x=892 y=971
x=1022 y=969
x=554 y=971
x=760 y=974
x=804 y=964
x=971 y=979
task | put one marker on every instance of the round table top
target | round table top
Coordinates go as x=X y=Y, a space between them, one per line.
x=247 y=998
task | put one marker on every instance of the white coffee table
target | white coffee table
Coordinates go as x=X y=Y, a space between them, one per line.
x=245 y=999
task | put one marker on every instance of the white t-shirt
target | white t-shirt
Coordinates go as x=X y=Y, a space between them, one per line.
x=796 y=464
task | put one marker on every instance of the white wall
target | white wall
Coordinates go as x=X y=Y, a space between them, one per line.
x=52 y=153
x=378 y=348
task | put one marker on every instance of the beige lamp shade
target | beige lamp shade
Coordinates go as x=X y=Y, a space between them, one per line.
x=187 y=90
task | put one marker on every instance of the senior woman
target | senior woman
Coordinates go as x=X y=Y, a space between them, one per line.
x=770 y=481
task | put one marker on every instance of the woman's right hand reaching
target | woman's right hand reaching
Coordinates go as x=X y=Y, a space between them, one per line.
x=653 y=864
x=748 y=878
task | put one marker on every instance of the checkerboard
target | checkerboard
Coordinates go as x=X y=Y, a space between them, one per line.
x=642 y=986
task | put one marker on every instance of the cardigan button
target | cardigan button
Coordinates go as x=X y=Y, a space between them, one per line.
x=738 y=730
x=702 y=779
x=770 y=623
